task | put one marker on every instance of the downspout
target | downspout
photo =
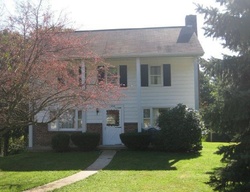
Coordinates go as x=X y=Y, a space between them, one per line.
x=196 y=84
x=138 y=99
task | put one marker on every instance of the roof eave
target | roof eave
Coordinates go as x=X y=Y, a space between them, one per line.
x=196 y=54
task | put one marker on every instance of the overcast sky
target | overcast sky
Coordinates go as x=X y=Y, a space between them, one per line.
x=111 y=14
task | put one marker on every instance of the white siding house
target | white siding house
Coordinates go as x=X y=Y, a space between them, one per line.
x=158 y=69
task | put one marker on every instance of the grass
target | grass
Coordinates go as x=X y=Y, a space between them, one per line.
x=128 y=171
x=28 y=170
x=153 y=171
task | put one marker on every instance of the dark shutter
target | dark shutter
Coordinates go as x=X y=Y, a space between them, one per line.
x=101 y=73
x=80 y=75
x=166 y=75
x=144 y=75
x=123 y=76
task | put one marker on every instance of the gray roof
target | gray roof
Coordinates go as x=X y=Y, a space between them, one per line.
x=143 y=42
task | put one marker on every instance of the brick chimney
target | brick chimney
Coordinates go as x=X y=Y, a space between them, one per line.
x=191 y=21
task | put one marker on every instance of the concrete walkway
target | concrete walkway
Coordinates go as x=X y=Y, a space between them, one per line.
x=103 y=160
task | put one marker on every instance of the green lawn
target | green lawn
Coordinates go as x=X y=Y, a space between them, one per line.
x=28 y=170
x=128 y=171
x=153 y=171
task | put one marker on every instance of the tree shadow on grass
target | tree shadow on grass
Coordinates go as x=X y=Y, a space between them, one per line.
x=147 y=160
x=48 y=161
x=123 y=160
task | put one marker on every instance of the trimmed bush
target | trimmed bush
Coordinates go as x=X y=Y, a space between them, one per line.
x=156 y=139
x=60 y=142
x=136 y=141
x=157 y=142
x=181 y=129
x=86 y=141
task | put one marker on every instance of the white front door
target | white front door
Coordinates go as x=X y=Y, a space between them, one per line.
x=113 y=126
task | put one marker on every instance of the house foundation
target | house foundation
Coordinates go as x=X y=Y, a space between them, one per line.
x=44 y=136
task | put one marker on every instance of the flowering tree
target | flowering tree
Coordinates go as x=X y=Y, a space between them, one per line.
x=44 y=66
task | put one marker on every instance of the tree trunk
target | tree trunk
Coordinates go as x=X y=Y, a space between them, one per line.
x=4 y=144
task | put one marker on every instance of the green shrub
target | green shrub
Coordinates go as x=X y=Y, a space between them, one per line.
x=156 y=139
x=181 y=129
x=60 y=142
x=86 y=141
x=135 y=141
x=14 y=141
x=157 y=142
x=16 y=145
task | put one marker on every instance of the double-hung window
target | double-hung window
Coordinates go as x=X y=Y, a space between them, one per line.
x=152 y=75
x=69 y=121
x=150 y=117
x=113 y=75
x=146 y=118
x=107 y=76
x=155 y=75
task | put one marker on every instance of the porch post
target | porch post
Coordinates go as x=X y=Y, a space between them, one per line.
x=138 y=86
x=30 y=136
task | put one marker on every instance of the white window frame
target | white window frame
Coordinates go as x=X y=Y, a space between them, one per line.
x=76 y=127
x=161 y=75
x=108 y=73
x=152 y=119
x=82 y=75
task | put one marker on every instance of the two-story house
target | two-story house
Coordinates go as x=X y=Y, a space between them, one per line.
x=156 y=66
